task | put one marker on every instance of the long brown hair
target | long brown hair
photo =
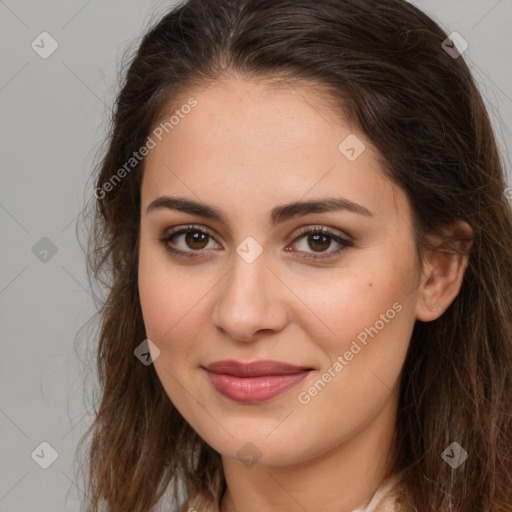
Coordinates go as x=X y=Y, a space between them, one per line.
x=384 y=63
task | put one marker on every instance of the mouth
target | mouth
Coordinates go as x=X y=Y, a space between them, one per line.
x=254 y=382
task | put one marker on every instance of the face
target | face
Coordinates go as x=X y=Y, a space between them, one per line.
x=331 y=292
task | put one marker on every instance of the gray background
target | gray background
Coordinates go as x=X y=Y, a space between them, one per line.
x=54 y=115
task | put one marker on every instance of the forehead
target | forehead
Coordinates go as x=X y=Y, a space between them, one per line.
x=259 y=141
x=255 y=112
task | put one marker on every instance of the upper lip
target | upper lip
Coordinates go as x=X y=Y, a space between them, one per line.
x=254 y=369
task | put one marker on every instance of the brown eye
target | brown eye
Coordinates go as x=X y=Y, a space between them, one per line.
x=318 y=240
x=186 y=241
x=321 y=242
x=195 y=239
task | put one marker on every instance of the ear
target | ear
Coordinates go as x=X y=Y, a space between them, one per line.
x=444 y=270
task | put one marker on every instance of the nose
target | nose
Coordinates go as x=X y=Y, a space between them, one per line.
x=249 y=301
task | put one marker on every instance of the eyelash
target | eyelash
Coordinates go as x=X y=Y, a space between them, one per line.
x=345 y=244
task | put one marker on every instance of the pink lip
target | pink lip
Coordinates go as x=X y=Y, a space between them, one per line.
x=254 y=382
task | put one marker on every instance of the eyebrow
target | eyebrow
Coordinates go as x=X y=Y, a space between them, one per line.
x=278 y=214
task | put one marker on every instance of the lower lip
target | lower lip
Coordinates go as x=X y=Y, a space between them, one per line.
x=254 y=389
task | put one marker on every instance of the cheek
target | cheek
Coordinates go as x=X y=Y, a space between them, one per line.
x=159 y=301
x=362 y=323
x=363 y=352
x=170 y=295
x=171 y=304
x=353 y=307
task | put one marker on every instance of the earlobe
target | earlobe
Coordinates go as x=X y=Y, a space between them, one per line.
x=444 y=272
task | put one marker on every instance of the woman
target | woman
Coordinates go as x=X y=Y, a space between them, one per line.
x=302 y=217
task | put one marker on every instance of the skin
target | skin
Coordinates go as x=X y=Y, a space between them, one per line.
x=246 y=148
